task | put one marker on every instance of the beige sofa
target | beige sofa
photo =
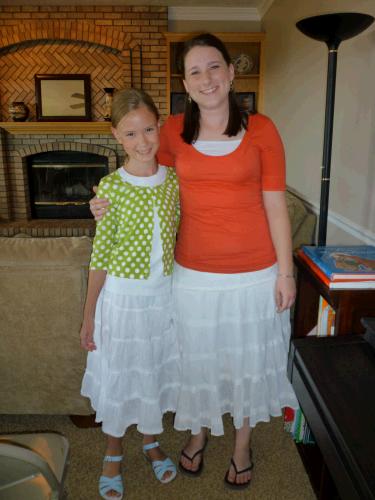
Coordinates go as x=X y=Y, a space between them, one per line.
x=303 y=221
x=43 y=285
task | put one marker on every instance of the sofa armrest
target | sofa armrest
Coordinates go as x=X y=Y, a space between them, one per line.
x=302 y=219
x=43 y=284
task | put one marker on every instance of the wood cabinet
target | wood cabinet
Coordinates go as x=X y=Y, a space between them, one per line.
x=247 y=53
x=334 y=379
x=325 y=371
x=350 y=305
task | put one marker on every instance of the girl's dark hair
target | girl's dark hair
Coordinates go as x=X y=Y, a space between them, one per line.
x=192 y=114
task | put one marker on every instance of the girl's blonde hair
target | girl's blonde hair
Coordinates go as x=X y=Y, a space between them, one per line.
x=128 y=100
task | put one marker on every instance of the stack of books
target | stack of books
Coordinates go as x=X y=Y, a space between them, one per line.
x=295 y=423
x=342 y=266
x=326 y=319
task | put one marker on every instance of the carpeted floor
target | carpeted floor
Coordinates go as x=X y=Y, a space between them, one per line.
x=278 y=472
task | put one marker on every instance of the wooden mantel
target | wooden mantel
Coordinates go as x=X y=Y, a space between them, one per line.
x=70 y=128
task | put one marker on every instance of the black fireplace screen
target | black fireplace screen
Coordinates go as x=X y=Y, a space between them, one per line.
x=61 y=183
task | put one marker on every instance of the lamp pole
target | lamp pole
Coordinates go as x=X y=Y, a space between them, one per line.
x=331 y=29
x=327 y=142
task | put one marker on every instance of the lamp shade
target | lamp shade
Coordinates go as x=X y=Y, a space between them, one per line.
x=334 y=28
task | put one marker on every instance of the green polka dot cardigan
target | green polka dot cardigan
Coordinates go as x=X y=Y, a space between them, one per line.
x=123 y=238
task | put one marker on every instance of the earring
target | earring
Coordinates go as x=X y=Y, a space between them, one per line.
x=189 y=99
x=231 y=87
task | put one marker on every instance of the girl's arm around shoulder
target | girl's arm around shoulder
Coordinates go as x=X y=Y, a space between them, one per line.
x=279 y=224
x=95 y=284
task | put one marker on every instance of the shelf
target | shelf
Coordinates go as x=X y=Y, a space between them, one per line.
x=53 y=128
x=250 y=75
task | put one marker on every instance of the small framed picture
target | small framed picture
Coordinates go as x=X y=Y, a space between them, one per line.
x=246 y=101
x=63 y=97
x=178 y=100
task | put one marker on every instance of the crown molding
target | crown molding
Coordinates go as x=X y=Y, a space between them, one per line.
x=263 y=7
x=213 y=14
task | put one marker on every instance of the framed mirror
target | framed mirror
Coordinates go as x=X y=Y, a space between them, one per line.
x=63 y=97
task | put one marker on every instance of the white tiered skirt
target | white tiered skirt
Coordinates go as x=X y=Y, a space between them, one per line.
x=234 y=348
x=133 y=376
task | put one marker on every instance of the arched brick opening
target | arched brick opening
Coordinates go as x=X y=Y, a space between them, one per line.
x=71 y=146
x=76 y=48
x=60 y=29
x=67 y=47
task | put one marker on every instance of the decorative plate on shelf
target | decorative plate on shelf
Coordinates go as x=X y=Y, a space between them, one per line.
x=243 y=64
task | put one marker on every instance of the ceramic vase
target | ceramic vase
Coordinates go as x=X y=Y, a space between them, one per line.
x=18 y=111
x=108 y=102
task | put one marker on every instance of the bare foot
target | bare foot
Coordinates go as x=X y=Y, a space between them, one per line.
x=195 y=443
x=242 y=460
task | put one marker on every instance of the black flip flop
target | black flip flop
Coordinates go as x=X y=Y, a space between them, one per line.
x=238 y=486
x=198 y=471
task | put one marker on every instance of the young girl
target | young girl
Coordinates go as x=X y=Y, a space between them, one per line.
x=133 y=370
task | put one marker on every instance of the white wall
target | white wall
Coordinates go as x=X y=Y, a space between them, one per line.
x=295 y=88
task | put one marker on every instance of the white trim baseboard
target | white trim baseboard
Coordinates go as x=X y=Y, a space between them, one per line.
x=346 y=225
x=213 y=14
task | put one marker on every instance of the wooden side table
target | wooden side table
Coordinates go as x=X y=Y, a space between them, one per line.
x=321 y=383
x=350 y=304
x=334 y=380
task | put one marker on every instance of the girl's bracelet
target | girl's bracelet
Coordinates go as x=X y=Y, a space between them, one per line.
x=279 y=275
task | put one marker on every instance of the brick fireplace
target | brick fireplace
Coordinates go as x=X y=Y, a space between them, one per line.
x=108 y=42
x=15 y=209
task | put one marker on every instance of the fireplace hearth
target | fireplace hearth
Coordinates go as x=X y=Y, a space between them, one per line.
x=60 y=183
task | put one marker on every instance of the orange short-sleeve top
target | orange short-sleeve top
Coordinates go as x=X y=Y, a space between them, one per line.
x=223 y=226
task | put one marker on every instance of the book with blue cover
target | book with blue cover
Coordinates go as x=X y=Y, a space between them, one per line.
x=350 y=262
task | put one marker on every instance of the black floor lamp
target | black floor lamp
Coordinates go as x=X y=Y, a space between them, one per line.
x=331 y=29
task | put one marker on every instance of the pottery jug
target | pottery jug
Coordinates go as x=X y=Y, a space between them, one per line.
x=18 y=111
x=108 y=103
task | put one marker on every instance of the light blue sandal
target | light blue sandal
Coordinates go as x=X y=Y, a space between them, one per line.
x=107 y=484
x=160 y=466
